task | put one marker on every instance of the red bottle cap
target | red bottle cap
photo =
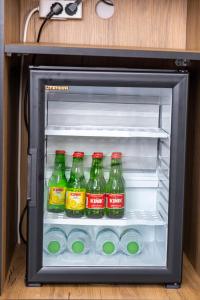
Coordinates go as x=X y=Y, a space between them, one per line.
x=116 y=155
x=78 y=154
x=97 y=155
x=60 y=152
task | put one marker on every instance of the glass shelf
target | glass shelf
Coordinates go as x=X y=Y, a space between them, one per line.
x=136 y=217
x=101 y=131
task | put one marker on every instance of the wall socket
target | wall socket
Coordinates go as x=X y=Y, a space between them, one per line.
x=45 y=6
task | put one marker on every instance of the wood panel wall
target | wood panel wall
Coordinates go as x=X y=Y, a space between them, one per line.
x=146 y=23
x=10 y=31
x=12 y=21
x=193 y=25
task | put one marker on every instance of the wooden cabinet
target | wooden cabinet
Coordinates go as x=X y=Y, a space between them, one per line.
x=151 y=34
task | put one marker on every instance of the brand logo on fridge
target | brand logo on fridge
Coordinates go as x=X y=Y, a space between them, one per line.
x=56 y=88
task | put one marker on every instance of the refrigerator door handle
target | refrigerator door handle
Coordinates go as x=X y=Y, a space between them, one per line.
x=32 y=175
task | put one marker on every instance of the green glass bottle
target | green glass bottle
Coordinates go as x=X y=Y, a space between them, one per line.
x=115 y=188
x=57 y=185
x=76 y=188
x=96 y=188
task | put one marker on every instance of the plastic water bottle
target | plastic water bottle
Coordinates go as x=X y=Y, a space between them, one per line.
x=79 y=242
x=131 y=242
x=55 y=241
x=107 y=242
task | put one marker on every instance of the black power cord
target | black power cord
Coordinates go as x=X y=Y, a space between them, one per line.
x=41 y=28
x=71 y=8
x=108 y=2
x=26 y=114
x=21 y=224
x=56 y=9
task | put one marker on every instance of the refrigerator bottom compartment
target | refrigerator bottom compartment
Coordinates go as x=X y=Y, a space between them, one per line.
x=66 y=245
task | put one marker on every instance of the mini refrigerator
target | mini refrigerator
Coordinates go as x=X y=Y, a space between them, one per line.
x=143 y=115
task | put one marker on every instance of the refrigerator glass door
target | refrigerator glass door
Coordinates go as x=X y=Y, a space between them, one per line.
x=135 y=121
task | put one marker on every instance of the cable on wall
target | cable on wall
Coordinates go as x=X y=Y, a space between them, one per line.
x=56 y=9
x=30 y=15
x=24 y=39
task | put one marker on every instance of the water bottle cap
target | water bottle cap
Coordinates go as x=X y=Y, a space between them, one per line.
x=97 y=155
x=108 y=248
x=60 y=152
x=116 y=155
x=54 y=247
x=78 y=154
x=78 y=247
x=133 y=247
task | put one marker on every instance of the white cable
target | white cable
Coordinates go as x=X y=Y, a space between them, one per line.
x=32 y=12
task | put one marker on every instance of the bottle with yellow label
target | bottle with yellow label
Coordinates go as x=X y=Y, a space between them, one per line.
x=76 y=188
x=57 y=185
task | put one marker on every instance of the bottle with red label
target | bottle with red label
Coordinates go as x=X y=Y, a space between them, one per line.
x=96 y=188
x=57 y=185
x=76 y=188
x=115 y=188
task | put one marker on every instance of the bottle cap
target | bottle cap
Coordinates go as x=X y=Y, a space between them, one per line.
x=78 y=154
x=97 y=155
x=54 y=247
x=133 y=247
x=116 y=155
x=60 y=152
x=78 y=247
x=108 y=247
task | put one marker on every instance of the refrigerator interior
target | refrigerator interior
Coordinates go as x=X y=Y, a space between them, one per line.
x=134 y=121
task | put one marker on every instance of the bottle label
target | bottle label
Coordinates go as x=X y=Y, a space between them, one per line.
x=75 y=200
x=115 y=201
x=95 y=201
x=57 y=195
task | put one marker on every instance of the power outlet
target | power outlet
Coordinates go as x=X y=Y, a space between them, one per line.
x=45 y=6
